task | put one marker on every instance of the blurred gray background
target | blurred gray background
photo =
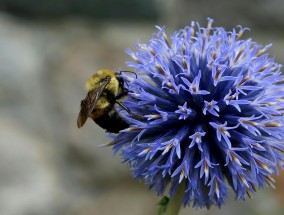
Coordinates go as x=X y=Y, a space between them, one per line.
x=48 y=49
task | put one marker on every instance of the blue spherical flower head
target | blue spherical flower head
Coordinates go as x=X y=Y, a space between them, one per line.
x=212 y=106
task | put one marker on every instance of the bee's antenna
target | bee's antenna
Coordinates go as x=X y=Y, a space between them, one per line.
x=129 y=72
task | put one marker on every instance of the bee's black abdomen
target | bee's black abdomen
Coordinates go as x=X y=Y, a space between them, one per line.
x=112 y=122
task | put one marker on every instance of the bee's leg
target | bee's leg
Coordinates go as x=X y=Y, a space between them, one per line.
x=124 y=107
x=128 y=110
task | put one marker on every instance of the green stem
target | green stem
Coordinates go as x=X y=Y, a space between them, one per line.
x=174 y=204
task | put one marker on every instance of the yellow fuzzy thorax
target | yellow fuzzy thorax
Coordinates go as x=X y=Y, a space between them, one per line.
x=102 y=103
x=100 y=75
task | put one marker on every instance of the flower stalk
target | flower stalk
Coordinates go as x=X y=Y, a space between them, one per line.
x=175 y=203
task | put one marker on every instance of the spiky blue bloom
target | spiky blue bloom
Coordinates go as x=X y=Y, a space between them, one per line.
x=212 y=106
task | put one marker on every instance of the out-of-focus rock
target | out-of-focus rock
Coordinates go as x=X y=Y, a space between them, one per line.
x=43 y=70
x=28 y=184
x=123 y=199
x=50 y=9
x=254 y=13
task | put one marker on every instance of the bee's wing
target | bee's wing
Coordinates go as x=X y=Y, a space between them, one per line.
x=89 y=103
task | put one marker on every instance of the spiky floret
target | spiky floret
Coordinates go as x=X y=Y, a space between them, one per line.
x=213 y=107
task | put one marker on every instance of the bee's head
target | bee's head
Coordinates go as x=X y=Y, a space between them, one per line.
x=125 y=80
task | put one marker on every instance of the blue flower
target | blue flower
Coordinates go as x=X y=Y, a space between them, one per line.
x=212 y=106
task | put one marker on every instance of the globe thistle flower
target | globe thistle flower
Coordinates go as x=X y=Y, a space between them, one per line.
x=212 y=109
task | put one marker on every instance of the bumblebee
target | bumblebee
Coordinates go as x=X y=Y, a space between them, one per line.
x=105 y=88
